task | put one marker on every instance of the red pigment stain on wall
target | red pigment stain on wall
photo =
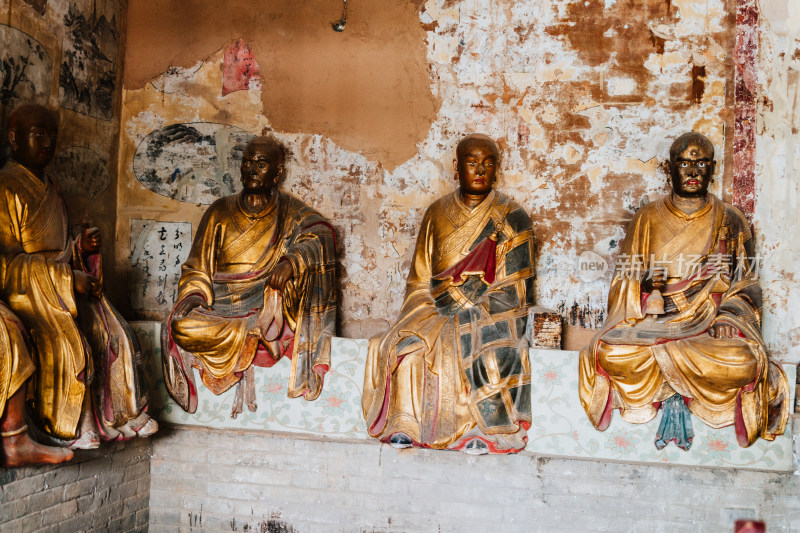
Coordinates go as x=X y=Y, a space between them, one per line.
x=745 y=80
x=239 y=69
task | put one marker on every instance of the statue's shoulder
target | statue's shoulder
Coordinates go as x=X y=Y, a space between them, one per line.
x=735 y=218
x=12 y=176
x=295 y=207
x=442 y=203
x=220 y=205
x=650 y=208
x=516 y=215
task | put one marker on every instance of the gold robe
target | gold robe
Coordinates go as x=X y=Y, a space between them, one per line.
x=36 y=279
x=232 y=253
x=636 y=362
x=16 y=364
x=455 y=364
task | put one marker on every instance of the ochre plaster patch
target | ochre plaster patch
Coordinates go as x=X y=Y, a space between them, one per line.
x=367 y=88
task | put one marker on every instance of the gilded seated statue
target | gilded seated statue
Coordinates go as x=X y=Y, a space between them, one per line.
x=453 y=371
x=88 y=382
x=684 y=318
x=259 y=284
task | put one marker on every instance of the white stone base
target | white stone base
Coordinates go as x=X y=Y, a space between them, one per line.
x=560 y=427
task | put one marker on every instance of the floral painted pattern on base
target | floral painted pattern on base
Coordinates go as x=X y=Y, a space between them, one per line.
x=561 y=428
x=336 y=413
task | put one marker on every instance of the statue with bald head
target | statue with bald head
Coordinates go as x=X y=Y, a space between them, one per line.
x=453 y=371
x=258 y=285
x=683 y=332
x=88 y=381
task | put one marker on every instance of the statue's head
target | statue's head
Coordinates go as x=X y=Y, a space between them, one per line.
x=32 y=133
x=262 y=165
x=477 y=159
x=691 y=164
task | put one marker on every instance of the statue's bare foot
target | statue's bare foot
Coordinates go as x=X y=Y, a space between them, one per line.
x=87 y=441
x=238 y=401
x=21 y=450
x=142 y=426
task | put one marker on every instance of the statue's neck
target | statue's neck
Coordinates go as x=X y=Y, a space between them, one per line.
x=38 y=172
x=689 y=204
x=472 y=200
x=256 y=202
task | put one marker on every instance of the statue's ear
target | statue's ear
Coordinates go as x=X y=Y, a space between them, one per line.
x=455 y=169
x=12 y=139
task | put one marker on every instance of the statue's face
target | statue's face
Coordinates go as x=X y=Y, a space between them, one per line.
x=260 y=168
x=691 y=170
x=477 y=167
x=34 y=142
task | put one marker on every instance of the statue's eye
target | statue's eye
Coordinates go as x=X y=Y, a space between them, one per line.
x=702 y=164
x=684 y=164
x=262 y=165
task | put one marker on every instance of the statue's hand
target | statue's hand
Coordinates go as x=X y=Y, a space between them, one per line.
x=85 y=284
x=282 y=273
x=91 y=241
x=654 y=282
x=186 y=305
x=723 y=331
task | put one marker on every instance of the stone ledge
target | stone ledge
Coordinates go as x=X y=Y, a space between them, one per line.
x=560 y=427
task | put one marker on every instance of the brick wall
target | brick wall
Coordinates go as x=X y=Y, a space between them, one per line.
x=100 y=490
x=225 y=480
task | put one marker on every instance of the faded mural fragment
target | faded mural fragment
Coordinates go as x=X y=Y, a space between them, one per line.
x=89 y=61
x=193 y=162
x=26 y=70
x=79 y=171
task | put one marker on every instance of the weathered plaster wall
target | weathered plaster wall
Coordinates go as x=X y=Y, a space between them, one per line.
x=777 y=176
x=583 y=98
x=66 y=55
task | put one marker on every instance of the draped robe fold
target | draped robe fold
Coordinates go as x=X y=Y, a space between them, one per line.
x=16 y=363
x=635 y=362
x=231 y=256
x=36 y=279
x=455 y=365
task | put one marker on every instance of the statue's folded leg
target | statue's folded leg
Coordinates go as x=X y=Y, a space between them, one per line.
x=224 y=346
x=715 y=373
x=404 y=406
x=635 y=379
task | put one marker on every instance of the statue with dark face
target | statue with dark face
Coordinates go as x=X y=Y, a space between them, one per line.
x=258 y=285
x=453 y=371
x=684 y=318
x=88 y=362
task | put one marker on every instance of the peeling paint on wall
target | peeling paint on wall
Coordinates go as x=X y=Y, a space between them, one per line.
x=584 y=100
x=368 y=88
x=777 y=173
